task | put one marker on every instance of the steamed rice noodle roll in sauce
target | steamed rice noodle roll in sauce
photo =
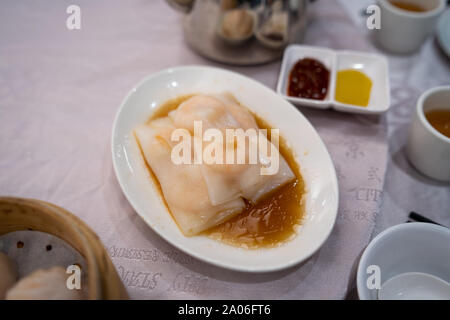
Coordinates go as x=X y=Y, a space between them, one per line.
x=230 y=201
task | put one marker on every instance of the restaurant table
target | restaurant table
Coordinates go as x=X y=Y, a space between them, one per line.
x=60 y=90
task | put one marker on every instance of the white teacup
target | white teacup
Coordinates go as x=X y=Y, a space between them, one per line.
x=428 y=149
x=404 y=31
x=404 y=248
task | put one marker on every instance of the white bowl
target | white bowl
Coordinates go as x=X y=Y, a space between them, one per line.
x=404 y=248
x=310 y=152
x=374 y=66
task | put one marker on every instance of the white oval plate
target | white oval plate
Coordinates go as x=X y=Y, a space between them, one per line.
x=316 y=166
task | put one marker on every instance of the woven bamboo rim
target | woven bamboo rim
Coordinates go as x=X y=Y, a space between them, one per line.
x=28 y=214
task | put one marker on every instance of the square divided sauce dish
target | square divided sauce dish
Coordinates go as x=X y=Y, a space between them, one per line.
x=352 y=75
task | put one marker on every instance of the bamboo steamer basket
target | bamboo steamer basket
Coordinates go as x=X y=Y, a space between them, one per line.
x=29 y=214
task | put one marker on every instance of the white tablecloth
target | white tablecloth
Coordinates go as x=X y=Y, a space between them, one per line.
x=60 y=89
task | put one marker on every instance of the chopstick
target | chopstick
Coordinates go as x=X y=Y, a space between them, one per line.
x=414 y=216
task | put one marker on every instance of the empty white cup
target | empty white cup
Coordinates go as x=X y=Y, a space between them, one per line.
x=404 y=248
x=427 y=149
x=404 y=31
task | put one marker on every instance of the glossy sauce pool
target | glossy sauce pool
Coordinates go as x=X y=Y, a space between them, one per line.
x=271 y=221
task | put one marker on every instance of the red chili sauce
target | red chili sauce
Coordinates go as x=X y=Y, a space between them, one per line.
x=308 y=79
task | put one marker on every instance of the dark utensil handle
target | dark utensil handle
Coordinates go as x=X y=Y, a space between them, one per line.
x=420 y=218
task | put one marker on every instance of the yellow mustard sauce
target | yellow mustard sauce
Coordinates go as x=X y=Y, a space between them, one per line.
x=353 y=87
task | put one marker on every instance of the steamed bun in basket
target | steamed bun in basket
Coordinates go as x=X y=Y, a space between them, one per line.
x=8 y=274
x=47 y=284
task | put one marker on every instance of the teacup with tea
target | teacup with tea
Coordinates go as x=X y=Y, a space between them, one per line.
x=428 y=146
x=406 y=24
